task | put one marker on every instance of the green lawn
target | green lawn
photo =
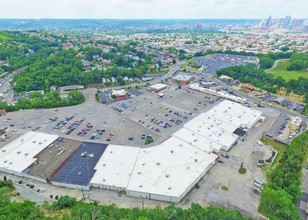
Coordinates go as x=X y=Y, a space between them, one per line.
x=281 y=70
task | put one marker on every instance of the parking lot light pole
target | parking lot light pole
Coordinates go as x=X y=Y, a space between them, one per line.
x=229 y=183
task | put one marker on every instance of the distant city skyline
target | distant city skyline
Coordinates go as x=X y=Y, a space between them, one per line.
x=153 y=9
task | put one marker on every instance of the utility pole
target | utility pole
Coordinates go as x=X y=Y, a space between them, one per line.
x=84 y=199
x=142 y=202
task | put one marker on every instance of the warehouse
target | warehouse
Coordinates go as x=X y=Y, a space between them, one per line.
x=168 y=171
x=19 y=154
x=50 y=160
x=66 y=89
x=153 y=172
x=235 y=114
x=114 y=168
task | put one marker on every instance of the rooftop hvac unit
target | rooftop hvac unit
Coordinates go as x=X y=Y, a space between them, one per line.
x=3 y=150
x=5 y=161
x=11 y=163
x=169 y=188
x=140 y=186
x=22 y=140
x=171 y=151
x=33 y=142
x=158 y=163
x=196 y=160
x=26 y=154
x=111 y=152
x=79 y=173
x=143 y=164
x=188 y=167
x=139 y=173
x=18 y=152
x=167 y=175
x=104 y=180
x=40 y=142
x=180 y=145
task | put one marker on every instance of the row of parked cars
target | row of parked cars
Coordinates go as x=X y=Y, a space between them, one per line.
x=97 y=134
x=116 y=109
x=85 y=130
x=61 y=123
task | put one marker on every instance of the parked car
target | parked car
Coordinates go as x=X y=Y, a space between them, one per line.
x=225 y=155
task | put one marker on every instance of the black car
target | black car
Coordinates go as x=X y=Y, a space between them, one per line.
x=261 y=161
x=220 y=161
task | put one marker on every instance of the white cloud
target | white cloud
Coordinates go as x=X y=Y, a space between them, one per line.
x=152 y=8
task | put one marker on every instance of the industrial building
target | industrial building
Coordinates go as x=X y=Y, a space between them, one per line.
x=164 y=172
x=65 y=89
x=114 y=169
x=295 y=123
x=19 y=154
x=168 y=171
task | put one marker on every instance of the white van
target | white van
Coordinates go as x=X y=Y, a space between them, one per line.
x=258 y=184
x=259 y=143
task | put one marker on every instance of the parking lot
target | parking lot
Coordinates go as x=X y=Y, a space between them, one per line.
x=125 y=121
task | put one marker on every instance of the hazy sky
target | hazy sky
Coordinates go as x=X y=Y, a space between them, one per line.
x=152 y=8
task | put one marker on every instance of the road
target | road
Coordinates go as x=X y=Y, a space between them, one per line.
x=275 y=64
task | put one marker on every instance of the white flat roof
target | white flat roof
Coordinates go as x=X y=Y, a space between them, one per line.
x=158 y=86
x=115 y=166
x=215 y=134
x=197 y=140
x=19 y=154
x=169 y=168
x=296 y=120
x=216 y=121
x=119 y=92
x=235 y=114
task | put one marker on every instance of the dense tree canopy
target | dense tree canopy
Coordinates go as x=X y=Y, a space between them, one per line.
x=278 y=200
x=298 y=61
x=50 y=100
